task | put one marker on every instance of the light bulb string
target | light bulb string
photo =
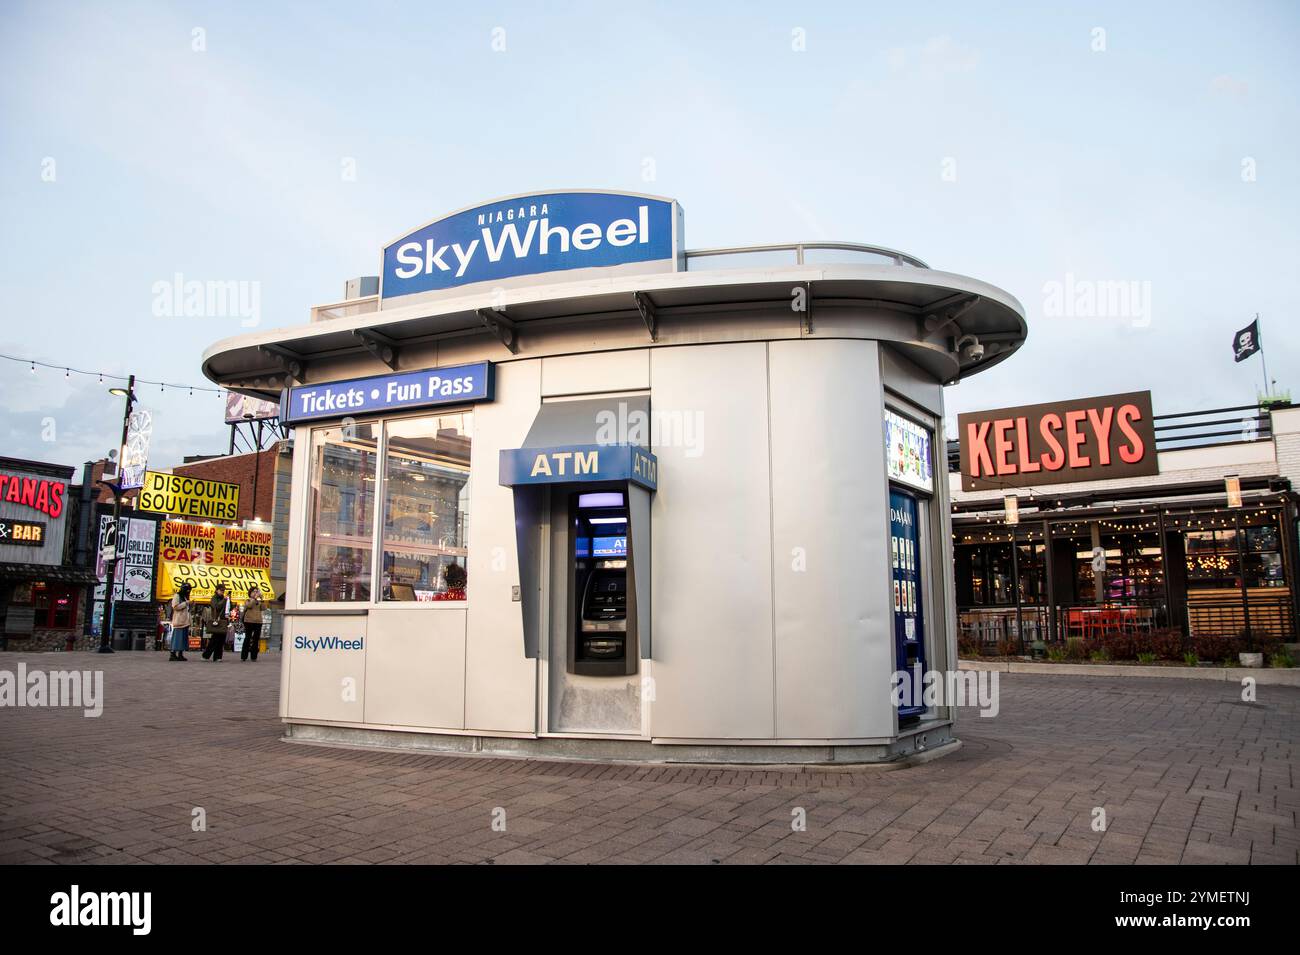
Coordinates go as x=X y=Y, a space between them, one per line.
x=68 y=371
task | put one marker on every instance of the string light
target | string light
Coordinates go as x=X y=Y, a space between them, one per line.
x=102 y=375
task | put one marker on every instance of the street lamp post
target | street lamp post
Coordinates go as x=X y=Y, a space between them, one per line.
x=257 y=461
x=110 y=565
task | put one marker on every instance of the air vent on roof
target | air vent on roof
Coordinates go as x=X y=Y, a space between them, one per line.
x=361 y=287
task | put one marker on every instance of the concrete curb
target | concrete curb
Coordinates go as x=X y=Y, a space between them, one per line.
x=1264 y=676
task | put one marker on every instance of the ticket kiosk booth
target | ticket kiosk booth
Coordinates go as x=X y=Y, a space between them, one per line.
x=562 y=487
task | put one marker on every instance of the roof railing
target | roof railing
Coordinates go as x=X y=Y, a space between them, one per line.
x=345 y=309
x=794 y=253
x=809 y=253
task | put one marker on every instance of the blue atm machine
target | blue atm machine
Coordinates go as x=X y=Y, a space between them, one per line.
x=909 y=613
x=604 y=638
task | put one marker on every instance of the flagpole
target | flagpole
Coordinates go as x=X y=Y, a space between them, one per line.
x=1259 y=336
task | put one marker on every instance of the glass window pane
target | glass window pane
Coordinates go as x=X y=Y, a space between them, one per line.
x=1264 y=570
x=63 y=606
x=757 y=259
x=341 y=512
x=426 y=507
x=1263 y=538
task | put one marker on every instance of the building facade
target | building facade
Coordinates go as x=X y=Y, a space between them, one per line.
x=43 y=577
x=1204 y=542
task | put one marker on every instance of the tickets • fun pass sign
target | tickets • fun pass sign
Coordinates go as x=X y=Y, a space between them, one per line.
x=1088 y=439
x=183 y=496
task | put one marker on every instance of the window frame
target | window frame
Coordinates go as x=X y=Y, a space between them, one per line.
x=53 y=588
x=375 y=599
x=381 y=498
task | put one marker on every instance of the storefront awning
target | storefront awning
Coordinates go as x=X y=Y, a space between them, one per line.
x=55 y=572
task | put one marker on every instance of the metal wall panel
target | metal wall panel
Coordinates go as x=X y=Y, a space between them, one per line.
x=711 y=547
x=325 y=683
x=831 y=573
x=591 y=374
x=500 y=681
x=919 y=387
x=415 y=667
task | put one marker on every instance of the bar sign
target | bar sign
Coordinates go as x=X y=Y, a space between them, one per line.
x=22 y=533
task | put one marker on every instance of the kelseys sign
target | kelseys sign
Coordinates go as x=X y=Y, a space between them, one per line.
x=528 y=235
x=1089 y=439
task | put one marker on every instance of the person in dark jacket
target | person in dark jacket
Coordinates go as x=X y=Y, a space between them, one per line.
x=252 y=616
x=216 y=623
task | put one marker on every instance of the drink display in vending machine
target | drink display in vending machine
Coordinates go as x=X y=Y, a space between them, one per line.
x=909 y=615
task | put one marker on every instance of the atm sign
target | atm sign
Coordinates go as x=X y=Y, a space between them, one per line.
x=579 y=464
x=1089 y=439
x=22 y=533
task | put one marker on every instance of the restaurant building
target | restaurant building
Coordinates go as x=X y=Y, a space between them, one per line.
x=1098 y=517
x=45 y=571
x=561 y=486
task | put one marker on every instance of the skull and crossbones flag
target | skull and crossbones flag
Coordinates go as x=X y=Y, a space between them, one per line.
x=1246 y=342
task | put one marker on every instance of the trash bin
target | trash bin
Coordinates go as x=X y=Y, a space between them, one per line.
x=139 y=639
x=122 y=640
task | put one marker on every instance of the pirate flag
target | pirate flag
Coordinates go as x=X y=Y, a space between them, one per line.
x=1246 y=342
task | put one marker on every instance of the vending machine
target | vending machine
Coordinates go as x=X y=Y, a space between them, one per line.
x=909 y=612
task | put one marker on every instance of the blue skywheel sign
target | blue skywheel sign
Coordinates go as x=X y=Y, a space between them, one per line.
x=529 y=235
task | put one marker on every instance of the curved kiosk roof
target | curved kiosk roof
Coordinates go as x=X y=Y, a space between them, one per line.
x=562 y=487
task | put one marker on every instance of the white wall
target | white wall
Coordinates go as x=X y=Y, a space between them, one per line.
x=711 y=579
x=788 y=452
x=834 y=647
x=500 y=681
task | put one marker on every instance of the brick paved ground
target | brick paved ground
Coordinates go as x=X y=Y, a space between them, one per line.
x=1185 y=771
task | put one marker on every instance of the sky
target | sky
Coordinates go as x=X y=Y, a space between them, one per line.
x=1051 y=150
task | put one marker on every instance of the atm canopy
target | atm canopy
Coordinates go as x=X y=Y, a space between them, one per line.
x=585 y=441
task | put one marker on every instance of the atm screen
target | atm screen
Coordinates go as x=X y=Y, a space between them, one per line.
x=609 y=546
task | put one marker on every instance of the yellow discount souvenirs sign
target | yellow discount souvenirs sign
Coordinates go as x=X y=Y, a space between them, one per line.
x=189 y=497
x=203 y=580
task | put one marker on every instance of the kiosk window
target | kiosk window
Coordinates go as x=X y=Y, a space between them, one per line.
x=341 y=512
x=426 y=507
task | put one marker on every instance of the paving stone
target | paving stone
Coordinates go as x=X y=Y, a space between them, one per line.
x=1184 y=773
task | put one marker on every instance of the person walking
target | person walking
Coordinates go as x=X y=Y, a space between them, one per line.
x=216 y=621
x=252 y=624
x=180 y=623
